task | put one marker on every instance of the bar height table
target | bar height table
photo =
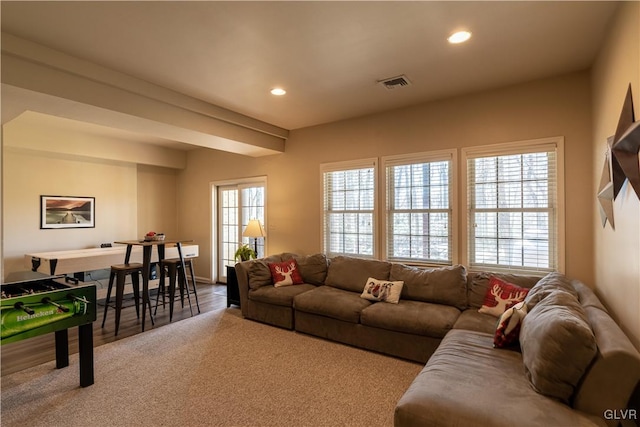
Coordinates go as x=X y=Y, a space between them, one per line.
x=147 y=245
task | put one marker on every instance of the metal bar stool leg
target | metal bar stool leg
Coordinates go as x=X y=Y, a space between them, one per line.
x=173 y=273
x=120 y=279
x=162 y=289
x=112 y=276
x=135 y=280
x=193 y=284
x=184 y=288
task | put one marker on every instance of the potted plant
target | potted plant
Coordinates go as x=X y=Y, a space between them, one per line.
x=245 y=253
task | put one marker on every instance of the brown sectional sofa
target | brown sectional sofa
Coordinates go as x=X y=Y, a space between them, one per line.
x=466 y=381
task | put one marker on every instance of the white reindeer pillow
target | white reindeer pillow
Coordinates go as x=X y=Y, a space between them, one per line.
x=382 y=290
x=285 y=273
x=500 y=296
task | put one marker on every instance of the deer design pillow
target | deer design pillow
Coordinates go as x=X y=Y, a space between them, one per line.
x=382 y=290
x=285 y=273
x=500 y=296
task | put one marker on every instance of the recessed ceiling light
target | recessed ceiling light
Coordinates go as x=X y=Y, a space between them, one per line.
x=459 y=37
x=278 y=91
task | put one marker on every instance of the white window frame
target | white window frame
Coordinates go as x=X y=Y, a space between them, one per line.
x=419 y=158
x=217 y=265
x=544 y=144
x=324 y=230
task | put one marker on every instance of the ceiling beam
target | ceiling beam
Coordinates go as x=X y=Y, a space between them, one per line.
x=32 y=133
x=88 y=92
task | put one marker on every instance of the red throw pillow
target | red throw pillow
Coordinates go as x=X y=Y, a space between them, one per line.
x=500 y=296
x=285 y=273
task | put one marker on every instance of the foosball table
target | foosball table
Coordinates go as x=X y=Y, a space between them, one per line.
x=33 y=304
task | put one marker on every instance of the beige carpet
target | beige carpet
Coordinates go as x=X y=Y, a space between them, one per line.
x=215 y=369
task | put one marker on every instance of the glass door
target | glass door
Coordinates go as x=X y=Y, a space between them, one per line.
x=237 y=204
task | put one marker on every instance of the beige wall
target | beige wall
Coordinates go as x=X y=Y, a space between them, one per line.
x=130 y=200
x=553 y=107
x=617 y=252
x=27 y=175
x=156 y=201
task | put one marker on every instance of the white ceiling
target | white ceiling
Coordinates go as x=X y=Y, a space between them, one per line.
x=328 y=55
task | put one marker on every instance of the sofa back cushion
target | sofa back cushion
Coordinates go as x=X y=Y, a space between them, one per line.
x=557 y=343
x=551 y=283
x=351 y=273
x=446 y=285
x=478 y=284
x=259 y=272
x=313 y=268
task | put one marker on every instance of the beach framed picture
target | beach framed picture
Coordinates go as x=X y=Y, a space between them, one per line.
x=67 y=212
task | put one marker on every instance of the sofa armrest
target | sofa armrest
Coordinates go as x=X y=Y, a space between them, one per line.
x=612 y=377
x=242 y=272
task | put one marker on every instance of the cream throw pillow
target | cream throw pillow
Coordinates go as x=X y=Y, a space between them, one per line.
x=382 y=290
x=508 y=329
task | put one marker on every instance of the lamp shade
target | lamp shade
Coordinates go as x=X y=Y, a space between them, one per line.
x=254 y=229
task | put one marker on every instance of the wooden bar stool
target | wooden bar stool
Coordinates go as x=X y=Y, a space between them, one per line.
x=119 y=272
x=173 y=268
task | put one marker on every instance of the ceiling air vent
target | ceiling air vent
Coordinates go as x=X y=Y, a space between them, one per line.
x=395 y=82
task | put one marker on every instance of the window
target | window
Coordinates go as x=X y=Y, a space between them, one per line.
x=419 y=214
x=349 y=222
x=228 y=228
x=514 y=214
x=238 y=203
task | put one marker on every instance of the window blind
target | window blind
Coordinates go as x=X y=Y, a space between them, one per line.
x=513 y=209
x=349 y=192
x=419 y=209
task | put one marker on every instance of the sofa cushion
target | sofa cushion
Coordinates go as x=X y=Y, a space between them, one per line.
x=382 y=290
x=413 y=317
x=278 y=296
x=551 y=283
x=313 y=268
x=446 y=285
x=467 y=382
x=557 y=345
x=285 y=273
x=351 y=273
x=500 y=296
x=478 y=283
x=471 y=320
x=259 y=272
x=332 y=302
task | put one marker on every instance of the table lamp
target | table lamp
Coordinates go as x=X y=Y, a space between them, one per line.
x=254 y=229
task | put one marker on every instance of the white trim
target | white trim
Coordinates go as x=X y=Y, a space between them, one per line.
x=413 y=158
x=516 y=147
x=348 y=164
x=450 y=155
x=371 y=162
x=536 y=145
x=455 y=205
x=561 y=245
x=213 y=214
x=213 y=230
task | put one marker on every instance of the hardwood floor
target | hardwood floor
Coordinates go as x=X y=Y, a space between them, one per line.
x=35 y=351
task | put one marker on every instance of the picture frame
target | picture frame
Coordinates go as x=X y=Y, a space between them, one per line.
x=67 y=212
